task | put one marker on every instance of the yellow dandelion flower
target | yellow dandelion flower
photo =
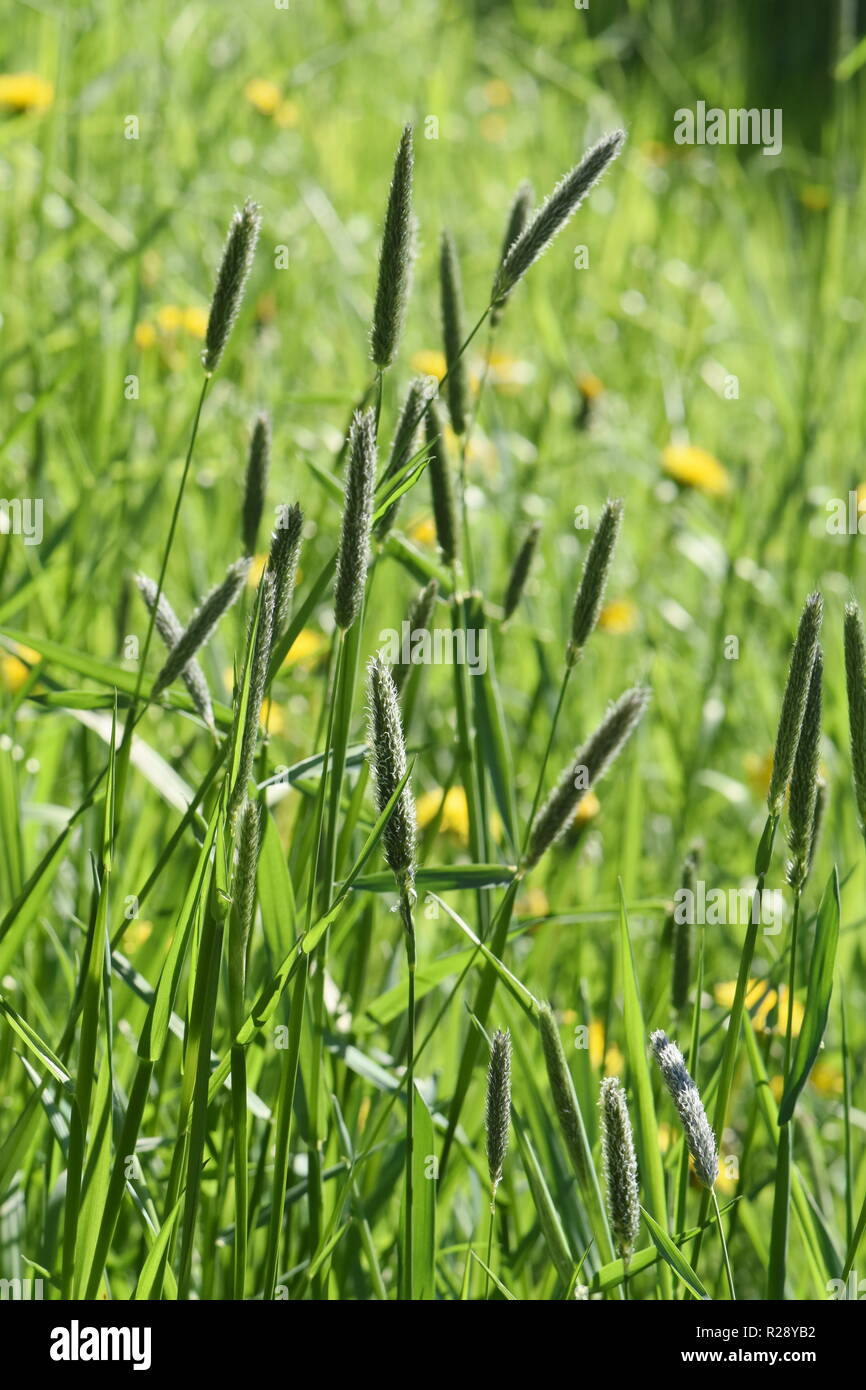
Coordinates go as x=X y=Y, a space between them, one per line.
x=455 y=812
x=725 y=1182
x=25 y=91
x=169 y=318
x=815 y=197
x=691 y=466
x=307 y=649
x=533 y=903
x=493 y=127
x=423 y=531
x=767 y=1006
x=614 y=1062
x=265 y=96
x=428 y=362
x=135 y=936
x=497 y=92
x=759 y=769
x=144 y=336
x=590 y=386
x=15 y=667
x=587 y=808
x=286 y=114
x=827 y=1079
x=618 y=615
x=195 y=322
x=256 y=569
x=610 y=1057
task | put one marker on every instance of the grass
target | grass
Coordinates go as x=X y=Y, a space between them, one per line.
x=183 y=1118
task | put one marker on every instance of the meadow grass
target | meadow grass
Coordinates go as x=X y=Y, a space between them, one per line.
x=260 y=1037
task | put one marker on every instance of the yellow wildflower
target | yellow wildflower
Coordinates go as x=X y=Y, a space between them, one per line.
x=169 y=318
x=265 y=96
x=506 y=373
x=759 y=770
x=15 y=667
x=135 y=936
x=587 y=808
x=428 y=362
x=827 y=1079
x=25 y=91
x=307 y=648
x=815 y=197
x=618 y=615
x=610 y=1057
x=423 y=531
x=590 y=386
x=691 y=466
x=195 y=322
x=767 y=1006
x=455 y=812
x=286 y=114
x=497 y=92
x=533 y=903
x=144 y=336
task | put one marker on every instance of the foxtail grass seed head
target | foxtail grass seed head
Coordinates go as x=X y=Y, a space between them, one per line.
x=395 y=258
x=248 y=835
x=357 y=512
x=170 y=629
x=804 y=782
x=684 y=1093
x=855 y=675
x=593 y=580
x=202 y=623
x=794 y=701
x=258 y=462
x=590 y=762
x=453 y=333
x=237 y=258
x=264 y=635
x=518 y=215
x=283 y=562
x=497 y=1115
x=418 y=618
x=403 y=445
x=619 y=1167
x=554 y=212
x=444 y=513
x=388 y=758
x=520 y=571
x=563 y=1093
x=682 y=946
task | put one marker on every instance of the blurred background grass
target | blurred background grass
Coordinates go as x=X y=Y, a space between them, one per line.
x=705 y=264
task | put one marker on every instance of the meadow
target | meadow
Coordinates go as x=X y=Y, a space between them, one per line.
x=258 y=1038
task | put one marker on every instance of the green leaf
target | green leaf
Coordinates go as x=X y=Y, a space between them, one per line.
x=821 y=967
x=443 y=877
x=674 y=1257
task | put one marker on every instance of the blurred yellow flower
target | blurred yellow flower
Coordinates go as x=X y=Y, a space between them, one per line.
x=144 y=336
x=618 y=615
x=506 y=373
x=691 y=466
x=759 y=769
x=422 y=531
x=135 y=936
x=587 y=808
x=273 y=718
x=286 y=114
x=256 y=569
x=265 y=96
x=429 y=362
x=815 y=197
x=307 y=648
x=533 y=903
x=493 y=127
x=15 y=667
x=827 y=1079
x=455 y=812
x=610 y=1058
x=589 y=386
x=25 y=91
x=169 y=318
x=497 y=92
x=767 y=1006
x=195 y=322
